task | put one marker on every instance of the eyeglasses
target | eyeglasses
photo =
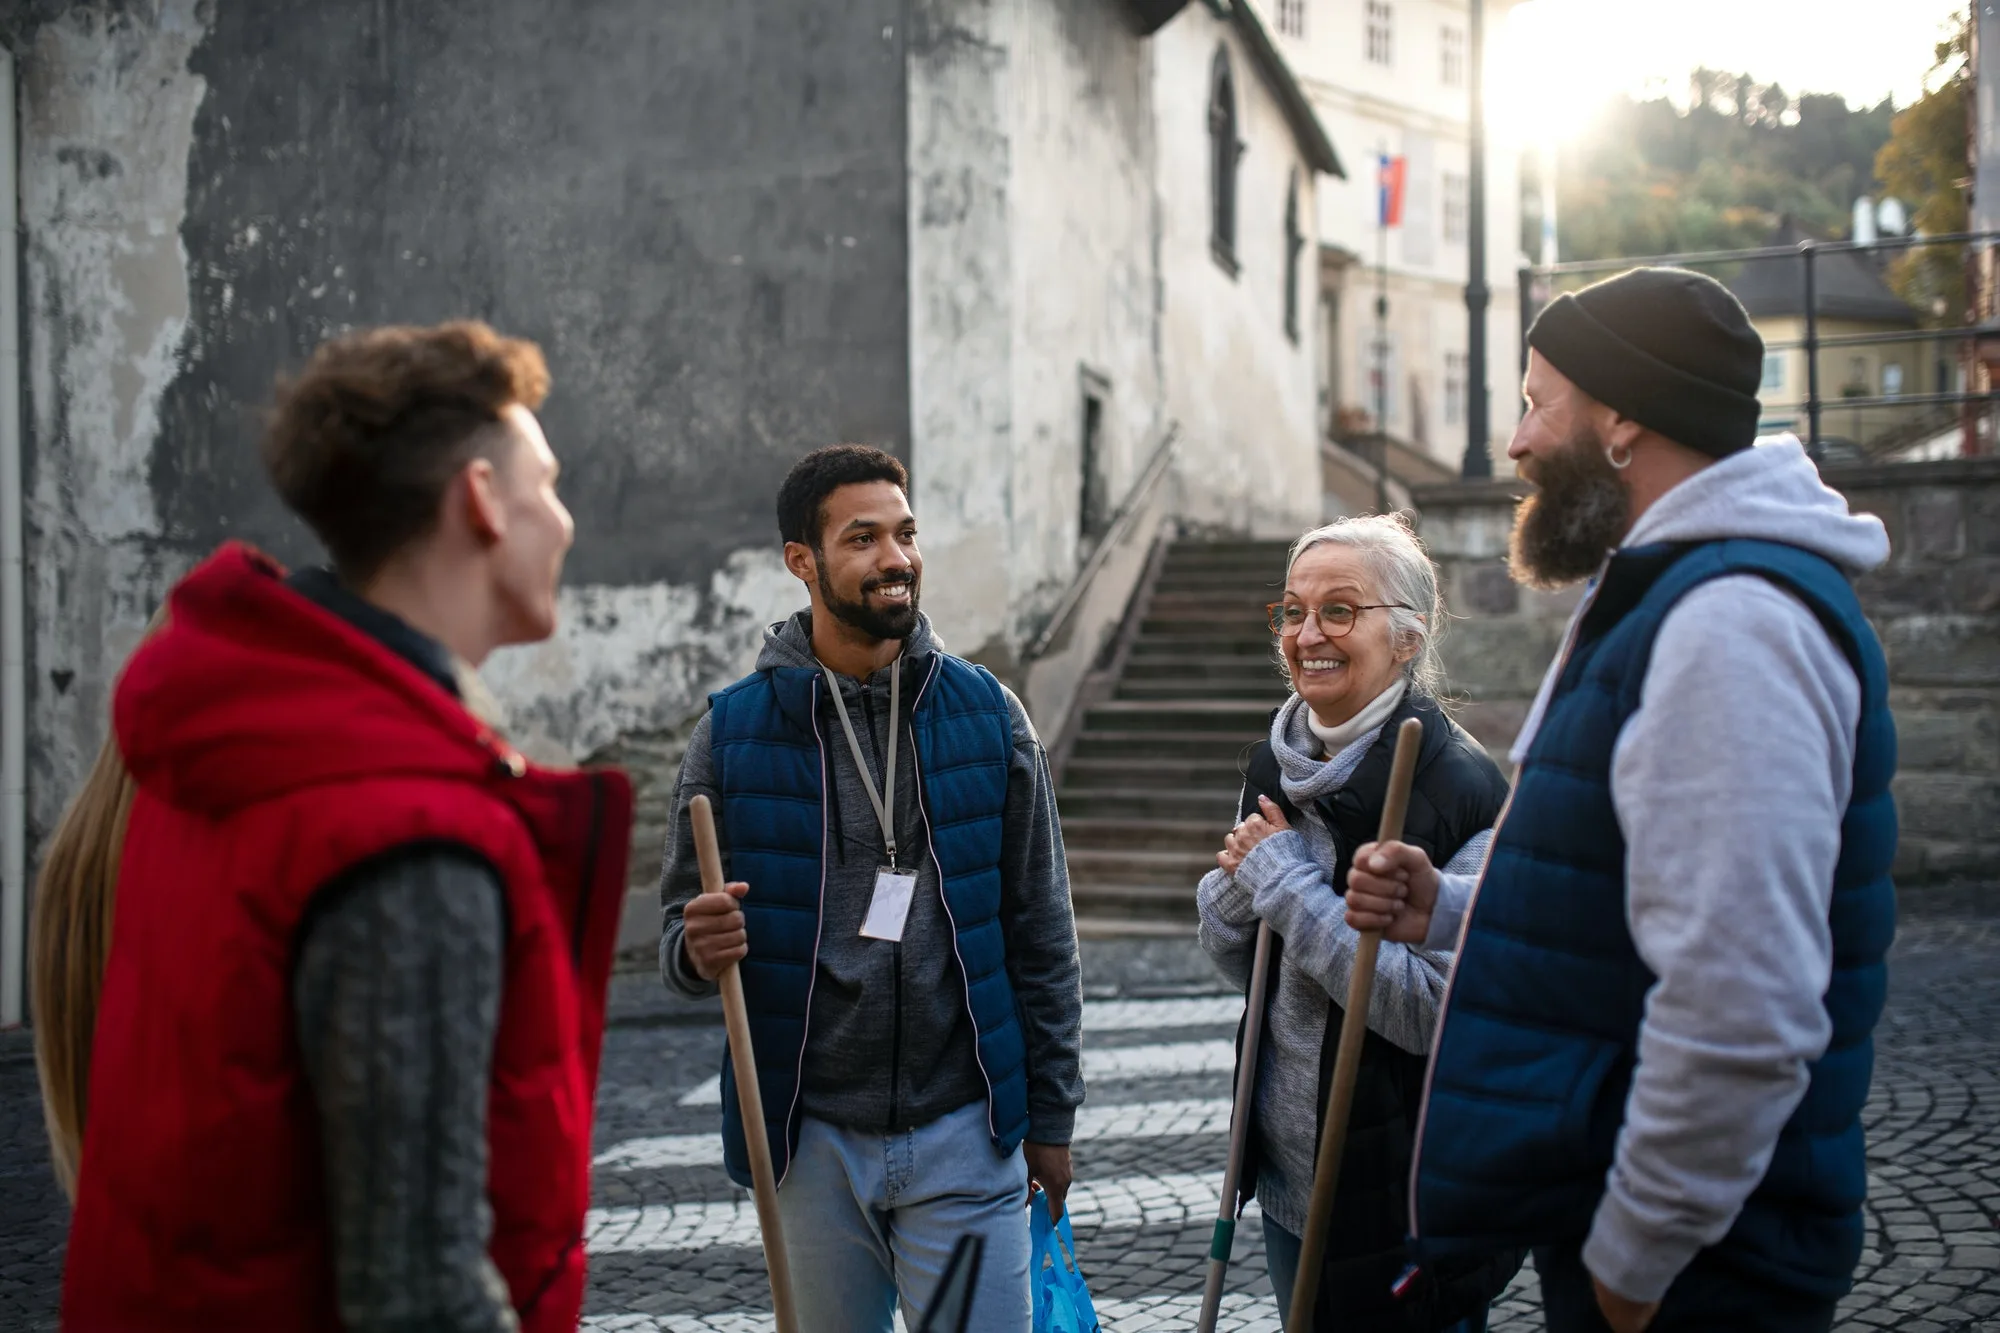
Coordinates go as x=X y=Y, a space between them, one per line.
x=1335 y=618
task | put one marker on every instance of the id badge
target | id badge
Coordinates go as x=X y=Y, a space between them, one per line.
x=890 y=907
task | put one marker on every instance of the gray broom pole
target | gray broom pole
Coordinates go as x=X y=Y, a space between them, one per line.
x=749 y=1098
x=1347 y=1062
x=1239 y=1131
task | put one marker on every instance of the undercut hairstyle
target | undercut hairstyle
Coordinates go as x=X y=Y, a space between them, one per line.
x=802 y=499
x=364 y=441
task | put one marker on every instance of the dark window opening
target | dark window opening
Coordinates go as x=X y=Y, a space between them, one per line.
x=1294 y=243
x=1224 y=152
x=1381 y=20
x=1095 y=504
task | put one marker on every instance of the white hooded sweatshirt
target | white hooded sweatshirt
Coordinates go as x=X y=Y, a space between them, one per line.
x=1730 y=782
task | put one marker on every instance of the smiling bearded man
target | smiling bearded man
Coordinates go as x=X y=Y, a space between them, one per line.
x=900 y=902
x=1655 y=1047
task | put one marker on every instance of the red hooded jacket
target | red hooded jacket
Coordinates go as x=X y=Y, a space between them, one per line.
x=275 y=746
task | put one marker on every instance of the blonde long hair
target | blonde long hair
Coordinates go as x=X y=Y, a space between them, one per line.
x=69 y=941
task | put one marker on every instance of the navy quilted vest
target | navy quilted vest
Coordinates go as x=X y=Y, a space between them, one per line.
x=1536 y=1047
x=771 y=764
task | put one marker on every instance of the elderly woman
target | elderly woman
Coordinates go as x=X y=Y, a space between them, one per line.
x=1354 y=633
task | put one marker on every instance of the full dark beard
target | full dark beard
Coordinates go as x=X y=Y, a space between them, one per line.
x=1579 y=511
x=876 y=622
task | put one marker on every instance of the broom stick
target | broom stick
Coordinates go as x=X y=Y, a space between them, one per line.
x=1239 y=1132
x=1347 y=1062
x=749 y=1098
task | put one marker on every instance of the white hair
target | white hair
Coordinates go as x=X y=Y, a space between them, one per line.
x=1404 y=575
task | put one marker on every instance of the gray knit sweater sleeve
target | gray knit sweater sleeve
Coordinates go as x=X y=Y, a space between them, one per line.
x=1294 y=892
x=398 y=1000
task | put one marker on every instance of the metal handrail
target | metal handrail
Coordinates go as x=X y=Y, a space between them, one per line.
x=1900 y=400
x=1699 y=257
x=1536 y=283
x=1962 y=333
x=1121 y=522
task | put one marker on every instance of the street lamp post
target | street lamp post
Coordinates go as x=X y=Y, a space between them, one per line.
x=1478 y=462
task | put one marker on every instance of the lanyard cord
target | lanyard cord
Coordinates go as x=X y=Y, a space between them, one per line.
x=884 y=800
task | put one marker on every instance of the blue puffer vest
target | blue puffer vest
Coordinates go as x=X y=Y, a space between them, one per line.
x=1537 y=1043
x=771 y=765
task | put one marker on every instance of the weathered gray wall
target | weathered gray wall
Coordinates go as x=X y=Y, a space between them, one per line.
x=697 y=210
x=1936 y=605
x=1034 y=256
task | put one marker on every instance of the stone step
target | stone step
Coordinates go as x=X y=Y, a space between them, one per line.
x=1228 y=716
x=1179 y=644
x=1176 y=869
x=1223 y=579
x=1120 y=924
x=1209 y=806
x=1241 y=619
x=1214 y=747
x=1149 y=774
x=1236 y=627
x=1203 y=551
x=1143 y=905
x=1265 y=686
x=1128 y=833
x=1193 y=667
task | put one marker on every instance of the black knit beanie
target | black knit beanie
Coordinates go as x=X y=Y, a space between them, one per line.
x=1670 y=349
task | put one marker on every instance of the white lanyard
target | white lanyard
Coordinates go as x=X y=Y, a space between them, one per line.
x=884 y=801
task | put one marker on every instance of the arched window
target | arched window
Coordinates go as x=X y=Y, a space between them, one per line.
x=1294 y=243
x=1223 y=154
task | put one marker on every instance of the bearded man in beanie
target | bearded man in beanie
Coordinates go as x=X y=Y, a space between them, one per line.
x=1655 y=1046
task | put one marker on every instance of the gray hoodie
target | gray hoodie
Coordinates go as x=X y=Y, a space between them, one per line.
x=889 y=1044
x=1730 y=782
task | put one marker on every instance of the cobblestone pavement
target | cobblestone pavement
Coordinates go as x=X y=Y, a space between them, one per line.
x=674 y=1245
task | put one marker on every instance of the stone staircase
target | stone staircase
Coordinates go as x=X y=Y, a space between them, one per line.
x=1151 y=782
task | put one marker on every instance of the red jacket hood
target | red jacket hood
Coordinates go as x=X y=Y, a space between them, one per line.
x=251 y=690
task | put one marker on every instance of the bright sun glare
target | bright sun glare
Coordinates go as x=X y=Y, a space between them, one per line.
x=1547 y=71
x=1552 y=64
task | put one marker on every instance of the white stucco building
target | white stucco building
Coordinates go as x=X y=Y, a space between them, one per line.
x=1241 y=157
x=1393 y=76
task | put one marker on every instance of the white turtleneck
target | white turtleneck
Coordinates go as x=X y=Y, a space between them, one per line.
x=1335 y=739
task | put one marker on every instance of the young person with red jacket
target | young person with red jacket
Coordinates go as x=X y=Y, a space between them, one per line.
x=347 y=1044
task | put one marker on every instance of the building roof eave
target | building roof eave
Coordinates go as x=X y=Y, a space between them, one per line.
x=1306 y=128
x=1149 y=16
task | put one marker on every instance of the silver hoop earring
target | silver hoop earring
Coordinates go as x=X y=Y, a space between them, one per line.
x=1611 y=457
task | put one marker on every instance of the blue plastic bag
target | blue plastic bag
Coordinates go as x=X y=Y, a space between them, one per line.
x=1062 y=1301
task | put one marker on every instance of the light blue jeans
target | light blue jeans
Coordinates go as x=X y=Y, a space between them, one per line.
x=871 y=1217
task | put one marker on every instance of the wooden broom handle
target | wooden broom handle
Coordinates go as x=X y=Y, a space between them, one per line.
x=1347 y=1062
x=749 y=1098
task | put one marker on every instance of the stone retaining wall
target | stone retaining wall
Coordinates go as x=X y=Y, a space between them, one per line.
x=1936 y=605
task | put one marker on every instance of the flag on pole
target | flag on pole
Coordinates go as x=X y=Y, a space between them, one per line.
x=1389 y=177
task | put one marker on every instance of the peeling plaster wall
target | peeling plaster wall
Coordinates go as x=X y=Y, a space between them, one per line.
x=1034 y=256
x=108 y=107
x=1086 y=277
x=1243 y=392
x=698 y=211
x=961 y=286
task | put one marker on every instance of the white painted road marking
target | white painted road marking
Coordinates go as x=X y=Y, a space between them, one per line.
x=1158 y=1060
x=1182 y=1012
x=1135 y=1120
x=1178 y=1200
